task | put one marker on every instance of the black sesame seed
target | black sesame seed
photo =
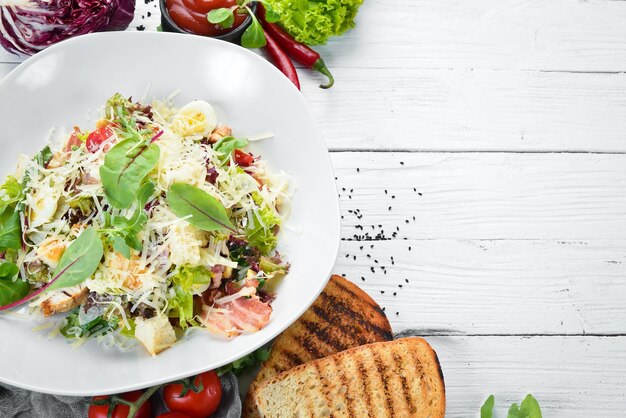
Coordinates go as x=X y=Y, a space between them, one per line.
x=400 y=286
x=397 y=313
x=141 y=28
x=401 y=162
x=358 y=169
x=406 y=280
x=409 y=248
x=419 y=194
x=389 y=207
x=382 y=292
x=393 y=196
x=362 y=278
x=414 y=189
x=394 y=293
x=354 y=257
x=385 y=191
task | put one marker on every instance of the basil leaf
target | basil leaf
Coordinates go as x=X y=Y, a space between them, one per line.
x=11 y=291
x=228 y=144
x=253 y=37
x=79 y=261
x=203 y=210
x=223 y=17
x=486 y=411
x=125 y=167
x=10 y=229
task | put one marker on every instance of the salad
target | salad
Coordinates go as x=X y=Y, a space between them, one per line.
x=154 y=223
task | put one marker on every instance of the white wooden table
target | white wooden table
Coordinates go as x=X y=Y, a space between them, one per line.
x=482 y=146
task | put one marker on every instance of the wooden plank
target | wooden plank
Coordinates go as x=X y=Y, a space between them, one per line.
x=493 y=287
x=572 y=377
x=482 y=195
x=460 y=110
x=497 y=34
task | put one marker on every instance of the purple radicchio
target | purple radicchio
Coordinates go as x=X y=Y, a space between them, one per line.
x=28 y=26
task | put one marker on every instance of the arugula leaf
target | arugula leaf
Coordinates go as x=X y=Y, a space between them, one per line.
x=125 y=167
x=11 y=291
x=79 y=261
x=222 y=16
x=10 y=229
x=486 y=411
x=228 y=144
x=245 y=363
x=253 y=37
x=198 y=207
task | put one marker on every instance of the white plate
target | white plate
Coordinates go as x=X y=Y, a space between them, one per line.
x=60 y=86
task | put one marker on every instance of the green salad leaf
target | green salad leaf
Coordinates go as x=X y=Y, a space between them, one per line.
x=10 y=229
x=198 y=207
x=122 y=233
x=245 y=363
x=125 y=168
x=253 y=37
x=181 y=305
x=486 y=411
x=11 y=291
x=72 y=328
x=79 y=261
x=228 y=144
x=222 y=16
x=260 y=233
x=529 y=408
x=313 y=22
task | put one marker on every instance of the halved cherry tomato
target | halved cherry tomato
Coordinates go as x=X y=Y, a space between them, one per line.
x=195 y=404
x=73 y=141
x=97 y=137
x=173 y=415
x=242 y=159
x=120 y=410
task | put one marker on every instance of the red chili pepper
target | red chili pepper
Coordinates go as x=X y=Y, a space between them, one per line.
x=298 y=51
x=281 y=60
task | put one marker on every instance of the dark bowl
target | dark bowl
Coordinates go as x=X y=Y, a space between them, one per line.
x=233 y=36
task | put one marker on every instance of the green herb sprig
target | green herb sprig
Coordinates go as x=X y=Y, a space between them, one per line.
x=529 y=408
x=253 y=37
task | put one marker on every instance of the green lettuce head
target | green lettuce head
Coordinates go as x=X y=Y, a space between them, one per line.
x=313 y=22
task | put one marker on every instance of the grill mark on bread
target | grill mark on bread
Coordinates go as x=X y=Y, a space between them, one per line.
x=355 y=296
x=318 y=375
x=322 y=334
x=380 y=367
x=341 y=308
x=293 y=357
x=405 y=385
x=362 y=373
x=332 y=315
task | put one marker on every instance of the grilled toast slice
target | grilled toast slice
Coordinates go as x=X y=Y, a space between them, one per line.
x=401 y=378
x=342 y=317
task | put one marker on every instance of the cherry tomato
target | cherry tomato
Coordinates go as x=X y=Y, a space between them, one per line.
x=173 y=415
x=97 y=137
x=195 y=404
x=242 y=159
x=120 y=411
x=73 y=141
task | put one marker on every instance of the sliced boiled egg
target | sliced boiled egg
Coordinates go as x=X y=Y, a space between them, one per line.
x=195 y=118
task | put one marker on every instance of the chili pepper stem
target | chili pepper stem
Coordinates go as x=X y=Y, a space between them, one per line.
x=322 y=68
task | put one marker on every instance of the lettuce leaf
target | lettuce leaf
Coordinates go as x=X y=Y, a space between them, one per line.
x=313 y=22
x=261 y=233
x=181 y=304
